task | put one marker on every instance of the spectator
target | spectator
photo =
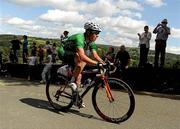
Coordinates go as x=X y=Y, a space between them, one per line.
x=48 y=48
x=1 y=60
x=25 y=49
x=60 y=49
x=31 y=64
x=11 y=56
x=15 y=47
x=3 y=66
x=34 y=49
x=46 y=73
x=64 y=35
x=110 y=55
x=144 y=45
x=162 y=32
x=122 y=59
x=54 y=53
x=41 y=54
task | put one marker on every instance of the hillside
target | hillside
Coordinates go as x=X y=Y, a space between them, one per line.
x=5 y=45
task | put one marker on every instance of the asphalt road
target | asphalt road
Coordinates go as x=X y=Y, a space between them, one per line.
x=23 y=105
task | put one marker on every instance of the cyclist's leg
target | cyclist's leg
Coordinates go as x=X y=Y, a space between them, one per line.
x=71 y=59
x=79 y=66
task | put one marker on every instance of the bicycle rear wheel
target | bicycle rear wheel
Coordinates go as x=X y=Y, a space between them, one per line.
x=118 y=110
x=59 y=94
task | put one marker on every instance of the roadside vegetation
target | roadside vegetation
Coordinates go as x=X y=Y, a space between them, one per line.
x=172 y=60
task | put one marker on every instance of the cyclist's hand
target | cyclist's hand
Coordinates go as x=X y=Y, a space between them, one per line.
x=102 y=62
x=99 y=65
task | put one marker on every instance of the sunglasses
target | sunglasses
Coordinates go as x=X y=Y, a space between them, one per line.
x=95 y=32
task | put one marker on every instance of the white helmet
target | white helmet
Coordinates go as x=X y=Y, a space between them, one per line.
x=92 y=26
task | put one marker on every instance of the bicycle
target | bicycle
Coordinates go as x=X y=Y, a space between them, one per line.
x=112 y=98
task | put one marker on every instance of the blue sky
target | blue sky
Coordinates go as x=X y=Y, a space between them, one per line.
x=121 y=20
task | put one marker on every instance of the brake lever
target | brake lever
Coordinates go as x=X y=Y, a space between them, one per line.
x=114 y=70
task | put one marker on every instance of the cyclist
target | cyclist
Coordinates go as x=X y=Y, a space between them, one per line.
x=77 y=50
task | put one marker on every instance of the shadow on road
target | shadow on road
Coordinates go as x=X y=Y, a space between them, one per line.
x=37 y=103
x=76 y=112
x=42 y=104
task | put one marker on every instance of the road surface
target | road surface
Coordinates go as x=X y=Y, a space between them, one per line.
x=23 y=105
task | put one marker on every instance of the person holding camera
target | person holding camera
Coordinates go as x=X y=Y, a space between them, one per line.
x=162 y=31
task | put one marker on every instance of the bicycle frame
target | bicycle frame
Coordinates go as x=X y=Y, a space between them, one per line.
x=97 y=78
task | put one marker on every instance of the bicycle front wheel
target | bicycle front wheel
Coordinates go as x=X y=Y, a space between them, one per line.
x=122 y=106
x=59 y=94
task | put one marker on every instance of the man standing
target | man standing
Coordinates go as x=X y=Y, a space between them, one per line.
x=15 y=47
x=162 y=32
x=144 y=45
x=25 y=49
x=1 y=60
x=122 y=59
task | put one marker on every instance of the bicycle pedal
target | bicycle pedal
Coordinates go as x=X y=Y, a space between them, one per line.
x=78 y=102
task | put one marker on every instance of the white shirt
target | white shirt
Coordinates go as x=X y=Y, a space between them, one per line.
x=49 y=60
x=32 y=60
x=145 y=39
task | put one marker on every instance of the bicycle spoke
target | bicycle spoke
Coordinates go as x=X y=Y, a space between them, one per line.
x=59 y=94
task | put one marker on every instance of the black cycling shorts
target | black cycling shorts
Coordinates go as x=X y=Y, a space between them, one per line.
x=69 y=57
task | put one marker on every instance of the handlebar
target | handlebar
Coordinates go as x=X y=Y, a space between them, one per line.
x=108 y=68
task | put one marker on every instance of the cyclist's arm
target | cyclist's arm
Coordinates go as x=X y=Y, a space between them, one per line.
x=96 y=56
x=167 y=29
x=84 y=58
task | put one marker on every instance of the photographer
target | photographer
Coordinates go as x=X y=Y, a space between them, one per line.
x=162 y=32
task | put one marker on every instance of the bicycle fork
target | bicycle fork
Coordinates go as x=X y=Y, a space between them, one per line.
x=108 y=89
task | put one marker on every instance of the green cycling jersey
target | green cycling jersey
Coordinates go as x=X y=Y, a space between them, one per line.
x=74 y=42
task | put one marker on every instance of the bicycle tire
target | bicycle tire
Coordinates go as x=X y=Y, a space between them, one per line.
x=59 y=94
x=118 y=88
